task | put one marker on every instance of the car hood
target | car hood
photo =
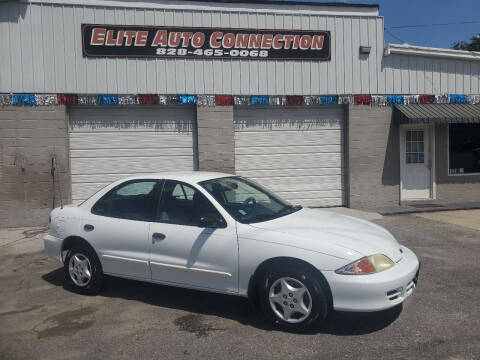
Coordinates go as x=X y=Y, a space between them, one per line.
x=317 y=230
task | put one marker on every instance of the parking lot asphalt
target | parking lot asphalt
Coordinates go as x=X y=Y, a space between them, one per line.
x=41 y=319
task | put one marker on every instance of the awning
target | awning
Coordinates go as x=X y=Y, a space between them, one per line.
x=436 y=113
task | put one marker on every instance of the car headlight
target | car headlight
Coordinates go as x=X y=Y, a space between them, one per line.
x=367 y=265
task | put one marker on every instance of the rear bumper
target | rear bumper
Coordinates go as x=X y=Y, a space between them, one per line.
x=375 y=292
x=53 y=247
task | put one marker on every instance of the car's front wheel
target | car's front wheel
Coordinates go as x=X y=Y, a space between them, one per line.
x=83 y=270
x=293 y=298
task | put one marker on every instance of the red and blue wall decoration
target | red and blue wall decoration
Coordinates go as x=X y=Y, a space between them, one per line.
x=23 y=99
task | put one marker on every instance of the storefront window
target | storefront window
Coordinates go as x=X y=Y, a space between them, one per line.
x=464 y=149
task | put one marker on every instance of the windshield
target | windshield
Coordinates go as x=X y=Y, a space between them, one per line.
x=247 y=201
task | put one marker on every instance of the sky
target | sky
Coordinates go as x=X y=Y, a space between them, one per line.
x=419 y=12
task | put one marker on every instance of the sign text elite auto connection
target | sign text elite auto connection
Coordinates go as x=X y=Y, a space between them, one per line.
x=184 y=42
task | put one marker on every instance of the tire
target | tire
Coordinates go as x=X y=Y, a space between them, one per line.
x=307 y=310
x=83 y=270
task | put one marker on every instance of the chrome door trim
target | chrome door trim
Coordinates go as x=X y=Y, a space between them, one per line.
x=124 y=259
x=180 y=267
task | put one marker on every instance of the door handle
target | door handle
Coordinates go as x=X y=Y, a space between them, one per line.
x=157 y=237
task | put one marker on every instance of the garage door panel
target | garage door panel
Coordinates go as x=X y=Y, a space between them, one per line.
x=107 y=144
x=114 y=165
x=313 y=171
x=312 y=183
x=300 y=127
x=297 y=153
x=309 y=195
x=265 y=150
x=138 y=152
x=285 y=161
x=102 y=178
x=81 y=192
x=134 y=119
x=120 y=140
x=321 y=202
x=265 y=114
x=318 y=201
x=287 y=127
x=288 y=138
x=131 y=113
x=174 y=127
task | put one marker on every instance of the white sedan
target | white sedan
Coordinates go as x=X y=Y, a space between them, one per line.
x=224 y=233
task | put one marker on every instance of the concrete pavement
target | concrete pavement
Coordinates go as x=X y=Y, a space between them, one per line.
x=40 y=318
x=467 y=218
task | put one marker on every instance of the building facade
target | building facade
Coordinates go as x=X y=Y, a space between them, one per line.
x=303 y=98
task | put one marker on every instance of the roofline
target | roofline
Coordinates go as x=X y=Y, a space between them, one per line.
x=292 y=2
x=406 y=49
x=293 y=7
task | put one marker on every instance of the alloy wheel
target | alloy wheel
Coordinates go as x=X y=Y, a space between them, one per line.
x=79 y=269
x=290 y=300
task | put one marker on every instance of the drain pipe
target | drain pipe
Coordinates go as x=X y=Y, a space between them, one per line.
x=53 y=167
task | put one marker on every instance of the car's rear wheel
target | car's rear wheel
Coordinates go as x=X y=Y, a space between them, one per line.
x=83 y=270
x=293 y=299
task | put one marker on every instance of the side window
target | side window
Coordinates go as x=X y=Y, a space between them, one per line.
x=183 y=192
x=134 y=200
x=182 y=204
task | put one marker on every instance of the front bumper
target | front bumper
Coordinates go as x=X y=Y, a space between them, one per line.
x=377 y=291
x=53 y=247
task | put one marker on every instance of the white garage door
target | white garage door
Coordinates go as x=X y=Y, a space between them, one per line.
x=295 y=152
x=107 y=144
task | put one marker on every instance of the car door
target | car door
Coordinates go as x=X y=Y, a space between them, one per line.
x=182 y=252
x=118 y=227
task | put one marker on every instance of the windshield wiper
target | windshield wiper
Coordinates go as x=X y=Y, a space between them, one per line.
x=289 y=208
x=259 y=217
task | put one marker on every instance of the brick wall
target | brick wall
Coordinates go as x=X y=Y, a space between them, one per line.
x=452 y=188
x=374 y=165
x=29 y=138
x=216 y=142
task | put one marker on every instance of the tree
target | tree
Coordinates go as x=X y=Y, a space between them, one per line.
x=472 y=45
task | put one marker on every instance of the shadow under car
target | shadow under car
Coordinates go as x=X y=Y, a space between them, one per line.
x=228 y=306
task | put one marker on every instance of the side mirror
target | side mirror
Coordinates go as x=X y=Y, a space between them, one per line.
x=211 y=221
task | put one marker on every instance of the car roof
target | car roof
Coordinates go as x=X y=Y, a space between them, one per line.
x=185 y=176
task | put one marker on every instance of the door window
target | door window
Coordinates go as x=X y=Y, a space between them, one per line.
x=182 y=204
x=414 y=149
x=183 y=192
x=134 y=200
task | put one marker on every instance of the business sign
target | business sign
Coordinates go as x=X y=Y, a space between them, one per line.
x=204 y=43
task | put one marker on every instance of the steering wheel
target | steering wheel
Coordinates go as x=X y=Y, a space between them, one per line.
x=249 y=202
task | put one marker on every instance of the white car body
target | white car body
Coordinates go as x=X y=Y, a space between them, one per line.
x=225 y=259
